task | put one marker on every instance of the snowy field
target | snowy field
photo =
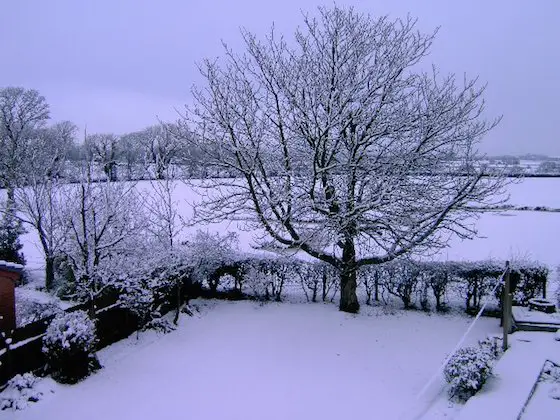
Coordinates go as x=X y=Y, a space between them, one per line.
x=278 y=361
x=507 y=235
x=535 y=192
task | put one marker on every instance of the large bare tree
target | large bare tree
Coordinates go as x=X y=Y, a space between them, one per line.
x=131 y=154
x=160 y=147
x=104 y=150
x=22 y=112
x=343 y=146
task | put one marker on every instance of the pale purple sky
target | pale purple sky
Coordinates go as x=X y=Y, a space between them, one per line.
x=117 y=64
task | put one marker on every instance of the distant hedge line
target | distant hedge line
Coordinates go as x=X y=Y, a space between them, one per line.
x=415 y=283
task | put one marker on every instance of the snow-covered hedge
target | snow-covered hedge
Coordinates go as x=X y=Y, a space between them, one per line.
x=207 y=252
x=69 y=345
x=528 y=280
x=401 y=278
x=436 y=277
x=468 y=370
x=150 y=281
x=412 y=281
x=317 y=280
x=29 y=310
x=474 y=280
x=20 y=392
x=557 y=285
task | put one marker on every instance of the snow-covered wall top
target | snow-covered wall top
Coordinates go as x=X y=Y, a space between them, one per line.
x=10 y=266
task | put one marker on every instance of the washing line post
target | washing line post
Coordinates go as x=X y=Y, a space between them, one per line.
x=506 y=309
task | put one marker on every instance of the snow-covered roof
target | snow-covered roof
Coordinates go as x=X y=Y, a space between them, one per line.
x=10 y=266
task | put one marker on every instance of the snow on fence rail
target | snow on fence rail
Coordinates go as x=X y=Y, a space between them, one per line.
x=23 y=349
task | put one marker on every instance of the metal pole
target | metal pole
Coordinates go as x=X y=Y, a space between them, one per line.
x=506 y=310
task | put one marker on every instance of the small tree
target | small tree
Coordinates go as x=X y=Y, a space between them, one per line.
x=340 y=145
x=22 y=112
x=41 y=200
x=10 y=231
x=166 y=224
x=131 y=154
x=104 y=150
x=106 y=221
x=161 y=148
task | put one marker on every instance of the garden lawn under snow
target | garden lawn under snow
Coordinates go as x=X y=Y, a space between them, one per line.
x=241 y=360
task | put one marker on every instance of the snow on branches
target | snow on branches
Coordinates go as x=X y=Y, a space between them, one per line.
x=354 y=156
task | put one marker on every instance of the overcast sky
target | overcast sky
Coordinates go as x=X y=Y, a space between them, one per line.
x=117 y=65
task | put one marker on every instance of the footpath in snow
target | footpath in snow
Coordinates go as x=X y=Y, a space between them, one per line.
x=506 y=392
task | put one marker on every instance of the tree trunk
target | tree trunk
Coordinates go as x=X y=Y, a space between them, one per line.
x=11 y=195
x=178 y=309
x=438 y=301
x=49 y=273
x=324 y=285
x=315 y=287
x=348 y=283
x=348 y=298
x=160 y=173
x=376 y=276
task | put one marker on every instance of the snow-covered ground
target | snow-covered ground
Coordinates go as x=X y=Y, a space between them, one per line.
x=241 y=360
x=545 y=402
x=535 y=192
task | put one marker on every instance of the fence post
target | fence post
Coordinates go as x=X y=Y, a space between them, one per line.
x=506 y=308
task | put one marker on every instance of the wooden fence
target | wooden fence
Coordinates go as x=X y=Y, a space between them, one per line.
x=113 y=323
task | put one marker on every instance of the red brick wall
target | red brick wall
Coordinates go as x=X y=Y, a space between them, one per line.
x=8 y=280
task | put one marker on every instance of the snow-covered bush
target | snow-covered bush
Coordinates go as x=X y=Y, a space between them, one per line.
x=267 y=277
x=369 y=277
x=557 y=284
x=207 y=252
x=29 y=310
x=475 y=280
x=309 y=279
x=330 y=281
x=438 y=276
x=257 y=282
x=528 y=280
x=401 y=279
x=152 y=279
x=468 y=370
x=11 y=230
x=492 y=345
x=69 y=345
x=161 y=325
x=138 y=299
x=20 y=392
